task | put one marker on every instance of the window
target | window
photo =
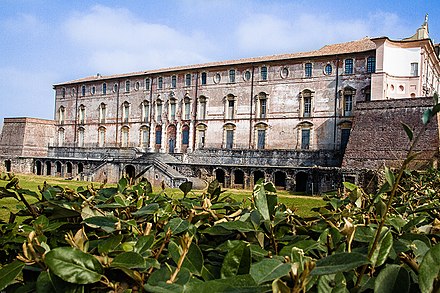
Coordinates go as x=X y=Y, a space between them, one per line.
x=188 y=79
x=102 y=113
x=185 y=135
x=104 y=88
x=63 y=92
x=203 y=78
x=263 y=73
x=160 y=83
x=83 y=90
x=101 y=137
x=147 y=84
x=173 y=110
x=201 y=132
x=173 y=81
x=229 y=138
x=371 y=64
x=145 y=137
x=349 y=66
x=232 y=75
x=81 y=137
x=159 y=135
x=159 y=111
x=125 y=111
x=124 y=139
x=308 y=70
x=307 y=106
x=247 y=75
x=127 y=86
x=262 y=105
x=145 y=111
x=187 y=103
x=82 y=114
x=328 y=69
x=414 y=69
x=115 y=88
x=348 y=105
x=137 y=85
x=61 y=113
x=202 y=111
x=60 y=137
x=284 y=72
x=367 y=93
x=93 y=90
x=230 y=104
x=261 y=135
x=217 y=78
x=345 y=135
x=305 y=138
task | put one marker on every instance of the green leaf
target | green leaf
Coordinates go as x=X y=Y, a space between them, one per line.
x=109 y=244
x=122 y=184
x=177 y=225
x=186 y=187
x=233 y=284
x=237 y=261
x=108 y=224
x=427 y=115
x=408 y=131
x=430 y=269
x=334 y=283
x=392 y=279
x=264 y=202
x=237 y=225
x=143 y=244
x=383 y=248
x=193 y=260
x=49 y=283
x=350 y=186
x=9 y=272
x=74 y=266
x=420 y=249
x=268 y=270
x=147 y=210
x=129 y=260
x=340 y=262
x=389 y=176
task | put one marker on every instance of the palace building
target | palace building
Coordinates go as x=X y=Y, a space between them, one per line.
x=288 y=118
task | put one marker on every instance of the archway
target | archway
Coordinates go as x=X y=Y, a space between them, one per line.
x=239 y=178
x=8 y=165
x=301 y=181
x=59 y=168
x=48 y=168
x=69 y=168
x=80 y=168
x=220 y=176
x=39 y=168
x=280 y=179
x=130 y=171
x=258 y=175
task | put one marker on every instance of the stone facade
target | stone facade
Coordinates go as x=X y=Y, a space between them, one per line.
x=286 y=118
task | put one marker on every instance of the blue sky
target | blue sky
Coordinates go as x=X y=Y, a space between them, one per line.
x=44 y=42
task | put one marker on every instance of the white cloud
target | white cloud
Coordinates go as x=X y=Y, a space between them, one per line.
x=23 y=23
x=115 y=41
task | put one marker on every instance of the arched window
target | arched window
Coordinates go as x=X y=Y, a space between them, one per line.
x=102 y=112
x=125 y=111
x=172 y=109
x=147 y=84
x=230 y=106
x=188 y=79
x=127 y=86
x=202 y=108
x=187 y=110
x=232 y=76
x=201 y=134
x=228 y=136
x=349 y=94
x=262 y=105
x=124 y=136
x=101 y=136
x=145 y=111
x=173 y=82
x=306 y=103
x=260 y=135
x=204 y=75
x=83 y=90
x=158 y=135
x=145 y=136
x=104 y=88
x=238 y=177
x=158 y=110
x=61 y=115
x=185 y=135
x=81 y=137
x=82 y=114
x=328 y=69
x=160 y=83
x=60 y=136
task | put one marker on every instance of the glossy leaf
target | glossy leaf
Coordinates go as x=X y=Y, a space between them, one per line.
x=186 y=187
x=50 y=283
x=340 y=262
x=193 y=260
x=408 y=131
x=129 y=260
x=389 y=176
x=393 y=279
x=74 y=266
x=177 y=225
x=383 y=248
x=427 y=115
x=108 y=224
x=429 y=271
x=268 y=270
x=109 y=244
x=9 y=272
x=237 y=261
x=233 y=284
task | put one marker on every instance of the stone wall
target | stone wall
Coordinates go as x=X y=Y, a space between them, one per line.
x=378 y=138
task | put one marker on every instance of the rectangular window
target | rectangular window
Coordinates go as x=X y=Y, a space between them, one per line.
x=147 y=84
x=159 y=136
x=61 y=115
x=305 y=139
x=307 y=106
x=345 y=135
x=229 y=138
x=231 y=109
x=104 y=88
x=173 y=82
x=159 y=113
x=371 y=64
x=145 y=138
x=264 y=73
x=203 y=78
x=160 y=83
x=263 y=103
x=127 y=86
x=173 y=111
x=349 y=66
x=145 y=112
x=102 y=114
x=261 y=139
x=308 y=70
x=348 y=105
x=82 y=115
x=415 y=69
x=185 y=136
x=188 y=80
x=83 y=90
x=232 y=75
x=101 y=137
x=126 y=113
x=202 y=110
x=187 y=110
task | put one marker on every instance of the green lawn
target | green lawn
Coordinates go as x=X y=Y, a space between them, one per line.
x=302 y=205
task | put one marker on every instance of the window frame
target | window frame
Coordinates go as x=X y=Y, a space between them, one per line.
x=308 y=69
x=349 y=66
x=371 y=64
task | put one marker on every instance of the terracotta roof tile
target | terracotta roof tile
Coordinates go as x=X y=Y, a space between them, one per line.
x=362 y=45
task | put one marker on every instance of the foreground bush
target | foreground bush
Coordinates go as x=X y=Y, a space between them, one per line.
x=127 y=239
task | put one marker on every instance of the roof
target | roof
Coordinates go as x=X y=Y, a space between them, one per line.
x=362 y=45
